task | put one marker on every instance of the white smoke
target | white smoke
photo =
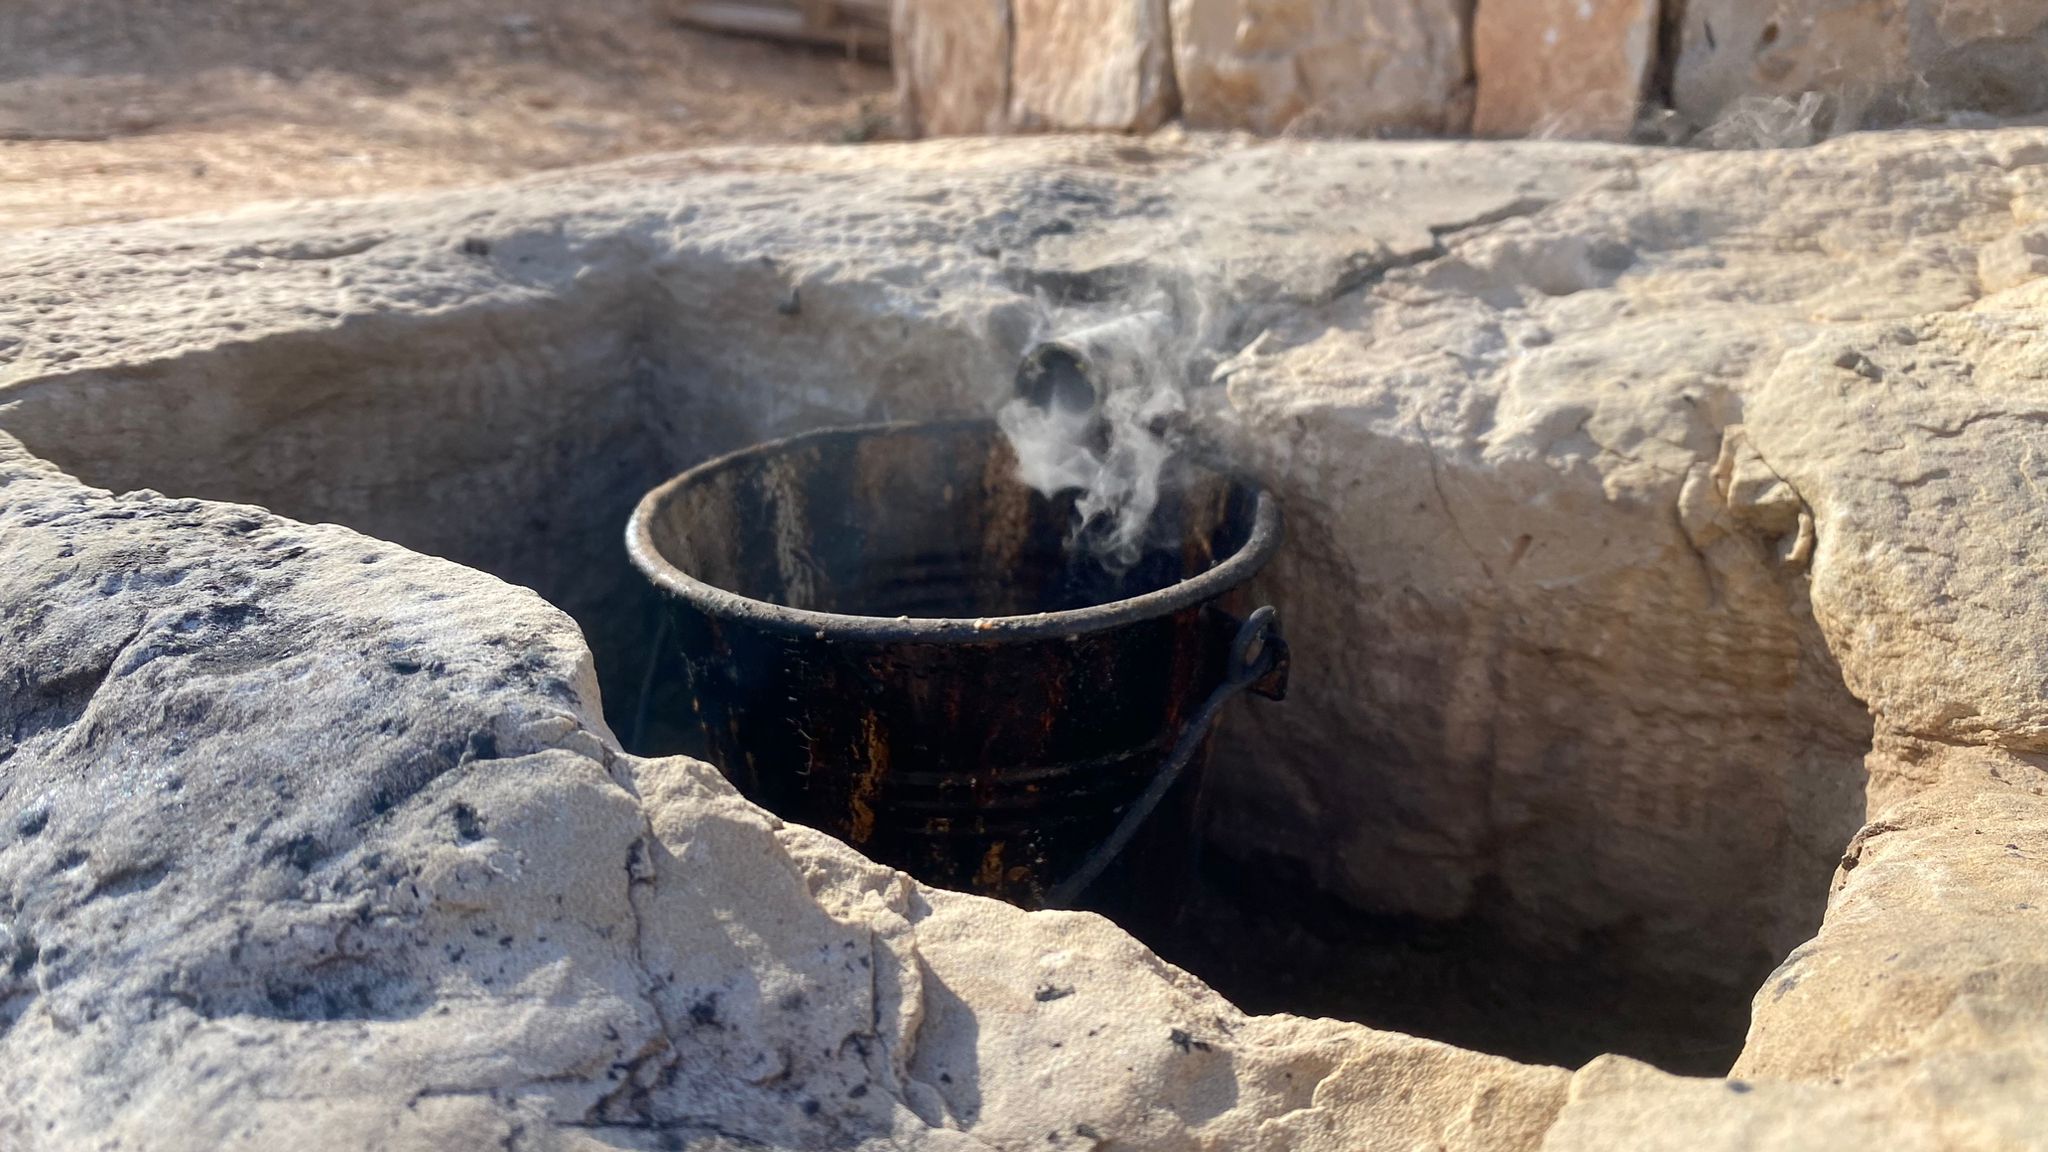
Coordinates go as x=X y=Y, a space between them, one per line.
x=1105 y=421
x=1753 y=122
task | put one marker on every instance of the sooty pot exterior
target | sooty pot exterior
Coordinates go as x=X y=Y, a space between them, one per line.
x=820 y=595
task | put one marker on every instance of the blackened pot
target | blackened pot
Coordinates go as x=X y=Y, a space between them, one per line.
x=886 y=636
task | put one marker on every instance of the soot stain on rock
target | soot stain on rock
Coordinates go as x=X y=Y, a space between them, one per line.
x=32 y=822
x=468 y=828
x=128 y=880
x=26 y=953
x=300 y=852
x=483 y=745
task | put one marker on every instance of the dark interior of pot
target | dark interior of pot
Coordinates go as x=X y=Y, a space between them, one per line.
x=925 y=521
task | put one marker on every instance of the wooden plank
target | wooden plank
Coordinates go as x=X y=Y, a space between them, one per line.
x=746 y=19
x=859 y=24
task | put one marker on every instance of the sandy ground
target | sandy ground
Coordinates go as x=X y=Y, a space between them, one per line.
x=120 y=109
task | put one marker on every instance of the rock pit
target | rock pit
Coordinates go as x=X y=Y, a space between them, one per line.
x=1659 y=582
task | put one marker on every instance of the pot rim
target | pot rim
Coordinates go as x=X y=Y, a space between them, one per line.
x=1237 y=568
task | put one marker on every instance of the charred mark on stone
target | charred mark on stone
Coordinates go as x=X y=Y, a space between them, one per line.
x=361 y=994
x=128 y=880
x=468 y=828
x=704 y=1013
x=1855 y=361
x=483 y=745
x=301 y=852
x=26 y=953
x=232 y=616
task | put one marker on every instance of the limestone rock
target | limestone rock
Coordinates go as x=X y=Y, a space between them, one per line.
x=1657 y=520
x=1600 y=352
x=1562 y=68
x=1090 y=64
x=952 y=65
x=2013 y=260
x=1874 y=64
x=313 y=841
x=1927 y=615
x=1982 y=1102
x=316 y=841
x=1353 y=67
x=1877 y=985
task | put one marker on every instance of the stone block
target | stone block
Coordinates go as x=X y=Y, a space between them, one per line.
x=1091 y=65
x=1348 y=67
x=1572 y=68
x=952 y=63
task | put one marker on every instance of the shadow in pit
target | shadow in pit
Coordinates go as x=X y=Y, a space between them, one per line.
x=1260 y=934
x=947 y=1058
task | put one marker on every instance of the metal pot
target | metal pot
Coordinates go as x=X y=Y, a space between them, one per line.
x=885 y=636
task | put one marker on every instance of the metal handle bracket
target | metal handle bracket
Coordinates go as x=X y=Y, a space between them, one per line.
x=1258 y=662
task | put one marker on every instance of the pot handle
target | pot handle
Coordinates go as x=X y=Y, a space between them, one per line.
x=1258 y=661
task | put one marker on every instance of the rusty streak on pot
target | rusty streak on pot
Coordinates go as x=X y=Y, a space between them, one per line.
x=886 y=637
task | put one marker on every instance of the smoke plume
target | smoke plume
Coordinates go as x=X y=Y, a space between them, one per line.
x=1100 y=412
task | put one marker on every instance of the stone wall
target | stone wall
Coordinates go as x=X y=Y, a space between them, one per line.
x=1745 y=73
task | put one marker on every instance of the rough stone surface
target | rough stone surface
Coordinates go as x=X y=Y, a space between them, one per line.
x=1872 y=987
x=580 y=301
x=1351 y=67
x=1562 y=68
x=1090 y=65
x=1623 y=339
x=313 y=841
x=1657 y=521
x=952 y=65
x=1985 y=1099
x=1876 y=63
